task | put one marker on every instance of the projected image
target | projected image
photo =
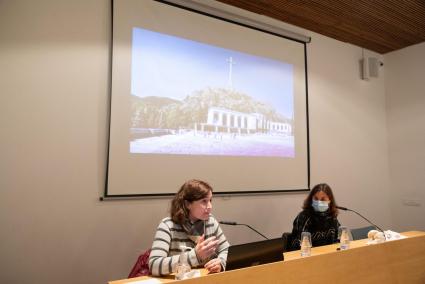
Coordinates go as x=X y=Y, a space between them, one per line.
x=191 y=98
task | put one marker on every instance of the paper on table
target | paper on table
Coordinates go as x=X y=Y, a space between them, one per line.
x=389 y=236
x=191 y=274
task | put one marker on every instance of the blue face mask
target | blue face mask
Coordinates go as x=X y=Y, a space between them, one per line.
x=320 y=206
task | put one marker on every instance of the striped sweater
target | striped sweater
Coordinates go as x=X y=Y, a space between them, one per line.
x=170 y=236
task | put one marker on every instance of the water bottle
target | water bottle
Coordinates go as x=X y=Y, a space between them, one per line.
x=305 y=244
x=344 y=238
x=182 y=267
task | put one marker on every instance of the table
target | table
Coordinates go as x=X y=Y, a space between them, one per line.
x=400 y=261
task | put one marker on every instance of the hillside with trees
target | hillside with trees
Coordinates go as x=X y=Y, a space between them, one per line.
x=160 y=112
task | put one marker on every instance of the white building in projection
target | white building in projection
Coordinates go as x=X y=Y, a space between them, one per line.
x=224 y=120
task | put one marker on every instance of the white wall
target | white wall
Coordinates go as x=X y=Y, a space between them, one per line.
x=54 y=60
x=404 y=83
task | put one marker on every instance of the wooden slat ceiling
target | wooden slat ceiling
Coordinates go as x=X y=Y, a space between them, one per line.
x=378 y=25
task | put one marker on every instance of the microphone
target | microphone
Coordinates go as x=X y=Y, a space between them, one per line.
x=351 y=210
x=228 y=223
x=237 y=224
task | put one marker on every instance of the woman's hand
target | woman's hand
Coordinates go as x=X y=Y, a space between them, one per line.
x=206 y=248
x=213 y=266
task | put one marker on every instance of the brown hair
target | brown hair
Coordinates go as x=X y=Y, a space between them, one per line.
x=190 y=191
x=326 y=189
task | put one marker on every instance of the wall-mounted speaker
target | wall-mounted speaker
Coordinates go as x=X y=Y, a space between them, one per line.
x=364 y=69
x=373 y=67
x=369 y=67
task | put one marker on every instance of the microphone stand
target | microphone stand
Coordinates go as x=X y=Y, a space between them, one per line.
x=254 y=230
x=376 y=226
x=238 y=224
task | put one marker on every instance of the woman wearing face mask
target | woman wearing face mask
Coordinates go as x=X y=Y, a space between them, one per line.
x=319 y=217
x=192 y=226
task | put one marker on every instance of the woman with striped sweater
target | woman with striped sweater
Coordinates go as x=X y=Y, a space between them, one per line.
x=190 y=225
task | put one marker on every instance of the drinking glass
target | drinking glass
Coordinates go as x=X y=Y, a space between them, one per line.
x=305 y=244
x=345 y=237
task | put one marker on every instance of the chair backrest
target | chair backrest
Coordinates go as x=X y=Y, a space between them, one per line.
x=361 y=233
x=287 y=240
x=141 y=267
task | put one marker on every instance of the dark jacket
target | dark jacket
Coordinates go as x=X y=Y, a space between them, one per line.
x=322 y=226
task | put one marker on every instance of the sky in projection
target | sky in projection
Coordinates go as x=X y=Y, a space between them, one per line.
x=169 y=66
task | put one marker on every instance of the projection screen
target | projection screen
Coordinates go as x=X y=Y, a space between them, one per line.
x=196 y=96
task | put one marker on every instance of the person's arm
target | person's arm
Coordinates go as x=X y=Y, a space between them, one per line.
x=223 y=244
x=336 y=228
x=160 y=261
x=298 y=227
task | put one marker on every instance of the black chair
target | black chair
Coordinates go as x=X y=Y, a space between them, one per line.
x=361 y=233
x=287 y=241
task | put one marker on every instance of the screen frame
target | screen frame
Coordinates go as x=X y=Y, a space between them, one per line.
x=107 y=195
